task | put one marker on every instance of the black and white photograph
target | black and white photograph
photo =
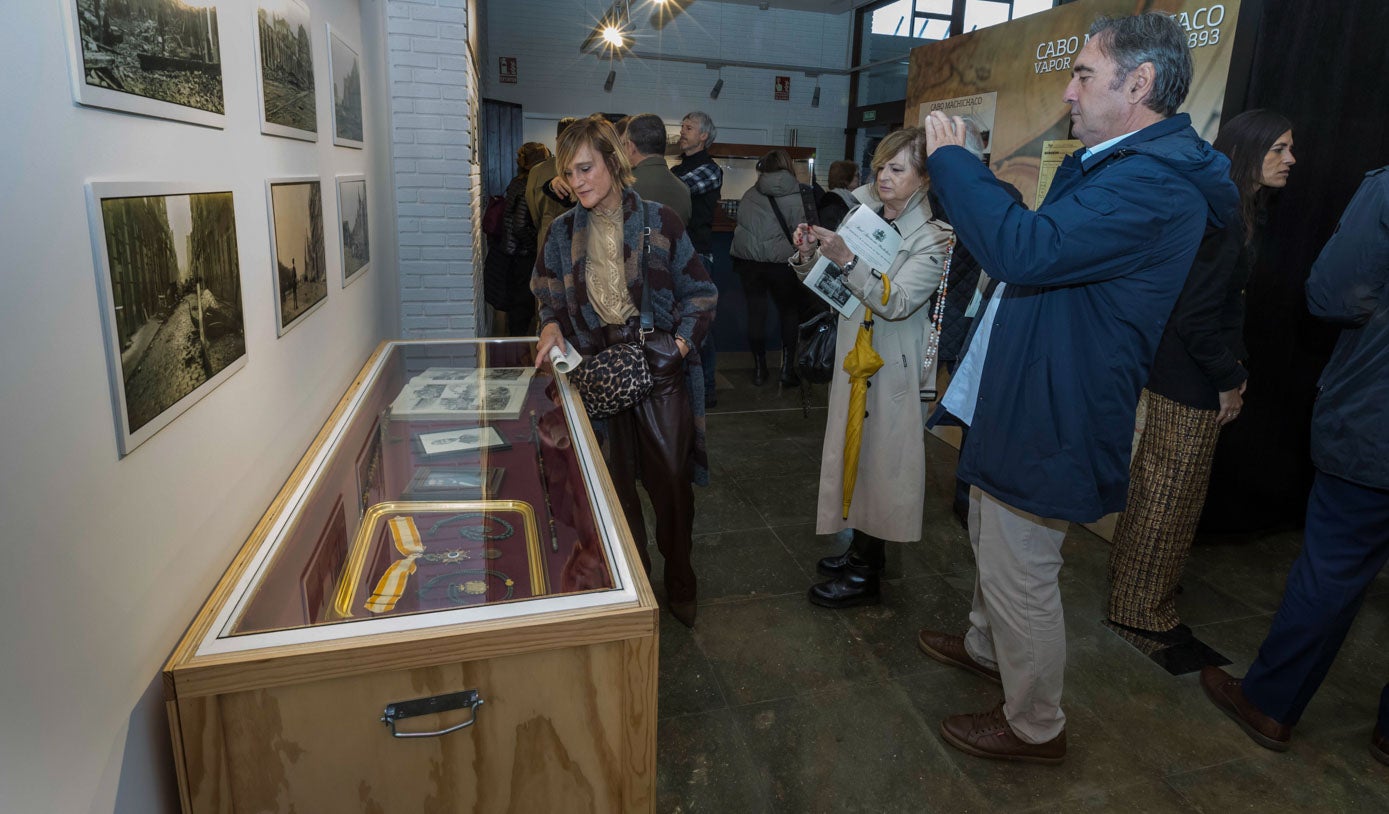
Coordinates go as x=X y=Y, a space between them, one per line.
x=296 y=242
x=453 y=483
x=170 y=283
x=284 y=58
x=447 y=442
x=352 y=217
x=445 y=374
x=513 y=376
x=346 y=70
x=827 y=281
x=158 y=58
x=425 y=399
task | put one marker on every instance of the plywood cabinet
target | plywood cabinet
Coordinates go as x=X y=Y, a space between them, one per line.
x=276 y=699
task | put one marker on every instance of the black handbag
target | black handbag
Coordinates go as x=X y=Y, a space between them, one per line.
x=618 y=377
x=815 y=343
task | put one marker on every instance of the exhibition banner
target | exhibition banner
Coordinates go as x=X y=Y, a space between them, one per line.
x=1011 y=78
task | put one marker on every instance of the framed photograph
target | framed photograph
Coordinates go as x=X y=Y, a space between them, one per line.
x=453 y=483
x=371 y=471
x=158 y=58
x=452 y=442
x=284 y=64
x=296 y=248
x=423 y=399
x=345 y=68
x=319 y=577
x=352 y=234
x=169 y=283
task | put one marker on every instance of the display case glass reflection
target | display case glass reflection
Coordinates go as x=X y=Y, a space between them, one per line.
x=430 y=482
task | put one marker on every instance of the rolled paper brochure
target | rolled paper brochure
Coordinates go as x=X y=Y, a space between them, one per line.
x=564 y=362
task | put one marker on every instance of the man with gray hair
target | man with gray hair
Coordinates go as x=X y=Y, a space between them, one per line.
x=704 y=177
x=1050 y=379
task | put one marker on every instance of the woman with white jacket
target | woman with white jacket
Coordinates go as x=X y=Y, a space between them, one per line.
x=891 y=478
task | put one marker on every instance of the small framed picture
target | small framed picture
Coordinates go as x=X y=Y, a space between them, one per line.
x=296 y=246
x=452 y=442
x=284 y=62
x=345 y=68
x=352 y=227
x=453 y=483
x=370 y=471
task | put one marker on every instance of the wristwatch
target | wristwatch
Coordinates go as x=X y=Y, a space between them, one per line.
x=849 y=266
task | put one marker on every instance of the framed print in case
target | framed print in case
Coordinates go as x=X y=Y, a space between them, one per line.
x=296 y=248
x=453 y=483
x=345 y=68
x=459 y=441
x=284 y=70
x=159 y=58
x=169 y=283
x=352 y=227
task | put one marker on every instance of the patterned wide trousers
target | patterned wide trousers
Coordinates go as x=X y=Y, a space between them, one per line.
x=1167 y=489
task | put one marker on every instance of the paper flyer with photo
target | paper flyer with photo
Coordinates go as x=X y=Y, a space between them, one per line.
x=980 y=107
x=870 y=238
x=827 y=281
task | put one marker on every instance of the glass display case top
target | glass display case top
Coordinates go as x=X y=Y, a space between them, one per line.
x=453 y=480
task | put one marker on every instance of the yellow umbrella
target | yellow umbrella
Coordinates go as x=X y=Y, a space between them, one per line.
x=861 y=362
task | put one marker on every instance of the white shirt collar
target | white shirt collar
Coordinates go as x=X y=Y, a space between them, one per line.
x=1102 y=146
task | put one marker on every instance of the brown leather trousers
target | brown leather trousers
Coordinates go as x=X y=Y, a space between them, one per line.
x=656 y=438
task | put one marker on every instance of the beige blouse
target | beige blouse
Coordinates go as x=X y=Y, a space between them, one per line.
x=607 y=280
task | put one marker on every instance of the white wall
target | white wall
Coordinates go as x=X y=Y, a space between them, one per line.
x=106 y=561
x=556 y=80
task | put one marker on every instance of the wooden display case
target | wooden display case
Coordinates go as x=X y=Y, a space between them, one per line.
x=357 y=624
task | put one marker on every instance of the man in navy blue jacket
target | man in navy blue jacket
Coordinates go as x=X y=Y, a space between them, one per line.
x=1346 y=542
x=1051 y=378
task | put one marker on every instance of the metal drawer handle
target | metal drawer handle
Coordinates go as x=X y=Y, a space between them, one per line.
x=428 y=706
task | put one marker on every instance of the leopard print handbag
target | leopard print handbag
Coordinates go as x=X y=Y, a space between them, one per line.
x=618 y=377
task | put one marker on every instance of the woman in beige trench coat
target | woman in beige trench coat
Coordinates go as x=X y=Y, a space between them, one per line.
x=892 y=468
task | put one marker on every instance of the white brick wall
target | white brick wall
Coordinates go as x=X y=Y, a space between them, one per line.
x=556 y=80
x=433 y=74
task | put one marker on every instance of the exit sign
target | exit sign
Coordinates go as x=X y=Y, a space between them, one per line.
x=870 y=115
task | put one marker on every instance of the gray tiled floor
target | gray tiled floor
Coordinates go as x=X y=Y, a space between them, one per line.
x=773 y=705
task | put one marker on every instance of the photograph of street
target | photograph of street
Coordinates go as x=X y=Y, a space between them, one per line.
x=347 y=92
x=175 y=295
x=286 y=68
x=165 y=50
x=352 y=211
x=300 y=261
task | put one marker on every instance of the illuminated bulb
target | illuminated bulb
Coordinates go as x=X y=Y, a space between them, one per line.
x=613 y=37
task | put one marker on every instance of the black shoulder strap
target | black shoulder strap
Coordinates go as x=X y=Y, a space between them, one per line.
x=780 y=218
x=648 y=323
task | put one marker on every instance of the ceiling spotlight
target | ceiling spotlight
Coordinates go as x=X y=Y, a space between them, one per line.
x=612 y=35
x=815 y=97
x=611 y=29
x=718 y=88
x=608 y=83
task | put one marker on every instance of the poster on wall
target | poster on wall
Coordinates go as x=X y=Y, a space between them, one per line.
x=1024 y=66
x=346 y=71
x=169 y=284
x=781 y=89
x=296 y=249
x=353 y=232
x=506 y=70
x=284 y=64
x=158 y=58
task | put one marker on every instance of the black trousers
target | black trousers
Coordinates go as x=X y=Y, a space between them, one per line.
x=656 y=438
x=777 y=279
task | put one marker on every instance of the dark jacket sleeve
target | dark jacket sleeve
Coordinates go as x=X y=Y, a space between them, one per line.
x=696 y=296
x=1197 y=315
x=1073 y=238
x=519 y=229
x=1349 y=276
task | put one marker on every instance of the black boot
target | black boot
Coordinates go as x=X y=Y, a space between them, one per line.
x=833 y=565
x=759 y=369
x=788 y=369
x=857 y=584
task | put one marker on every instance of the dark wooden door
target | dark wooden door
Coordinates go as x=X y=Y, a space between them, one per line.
x=501 y=138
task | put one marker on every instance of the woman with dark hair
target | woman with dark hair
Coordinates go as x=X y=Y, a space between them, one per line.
x=1195 y=388
x=598 y=259
x=761 y=243
x=839 y=198
x=507 y=272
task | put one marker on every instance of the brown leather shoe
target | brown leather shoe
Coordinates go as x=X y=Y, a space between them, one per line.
x=949 y=649
x=1227 y=693
x=1379 y=747
x=988 y=735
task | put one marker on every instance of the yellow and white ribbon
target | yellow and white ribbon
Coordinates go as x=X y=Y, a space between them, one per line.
x=392 y=583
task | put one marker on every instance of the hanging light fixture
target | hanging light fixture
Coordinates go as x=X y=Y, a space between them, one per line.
x=718 y=86
x=610 y=32
x=608 y=83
